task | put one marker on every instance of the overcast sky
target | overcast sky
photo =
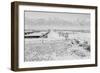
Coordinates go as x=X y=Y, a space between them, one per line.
x=56 y=20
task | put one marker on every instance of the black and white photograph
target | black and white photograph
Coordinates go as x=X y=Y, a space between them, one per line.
x=53 y=36
x=56 y=36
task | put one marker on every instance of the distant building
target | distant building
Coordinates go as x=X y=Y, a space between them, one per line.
x=53 y=35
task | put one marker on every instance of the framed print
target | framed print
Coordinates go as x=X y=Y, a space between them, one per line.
x=52 y=36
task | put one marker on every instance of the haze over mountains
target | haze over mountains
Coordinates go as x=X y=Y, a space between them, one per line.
x=55 y=20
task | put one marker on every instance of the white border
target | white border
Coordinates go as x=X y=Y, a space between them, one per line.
x=23 y=64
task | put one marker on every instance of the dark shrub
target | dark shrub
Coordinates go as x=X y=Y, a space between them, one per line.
x=87 y=48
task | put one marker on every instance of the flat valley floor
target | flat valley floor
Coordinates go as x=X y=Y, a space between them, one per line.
x=50 y=50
